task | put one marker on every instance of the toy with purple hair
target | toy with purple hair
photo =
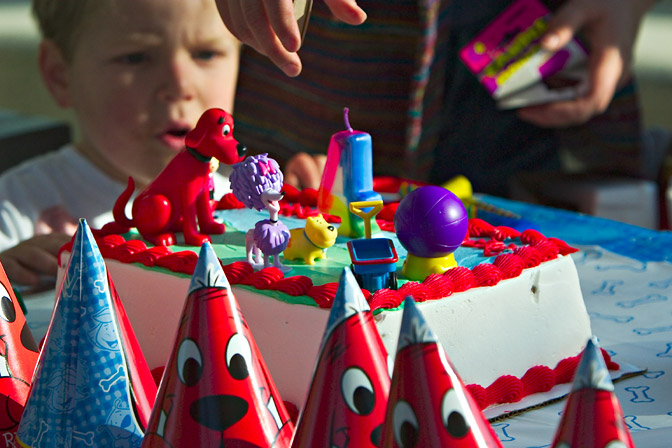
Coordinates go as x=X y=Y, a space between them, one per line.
x=257 y=182
x=253 y=176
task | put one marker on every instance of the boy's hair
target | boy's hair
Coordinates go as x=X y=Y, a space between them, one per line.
x=61 y=20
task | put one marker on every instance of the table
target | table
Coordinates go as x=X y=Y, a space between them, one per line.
x=626 y=279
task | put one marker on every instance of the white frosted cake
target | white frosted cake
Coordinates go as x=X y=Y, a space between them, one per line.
x=511 y=317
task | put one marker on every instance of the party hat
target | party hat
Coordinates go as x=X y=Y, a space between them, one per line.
x=143 y=386
x=18 y=356
x=592 y=415
x=428 y=404
x=348 y=393
x=82 y=393
x=216 y=389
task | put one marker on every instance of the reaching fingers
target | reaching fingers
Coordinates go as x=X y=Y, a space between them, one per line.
x=288 y=62
x=232 y=16
x=259 y=23
x=564 y=24
x=347 y=11
x=270 y=27
x=606 y=67
x=268 y=43
x=283 y=22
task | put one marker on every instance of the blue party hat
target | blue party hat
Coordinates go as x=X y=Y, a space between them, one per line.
x=81 y=394
x=349 y=300
x=208 y=272
x=592 y=371
x=414 y=328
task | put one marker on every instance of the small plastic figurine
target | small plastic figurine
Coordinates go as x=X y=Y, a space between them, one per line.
x=429 y=404
x=214 y=166
x=179 y=196
x=374 y=260
x=592 y=416
x=350 y=385
x=216 y=390
x=257 y=183
x=311 y=242
x=431 y=223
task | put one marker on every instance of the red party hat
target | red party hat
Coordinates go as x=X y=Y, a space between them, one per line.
x=348 y=394
x=142 y=381
x=429 y=405
x=18 y=356
x=216 y=389
x=593 y=415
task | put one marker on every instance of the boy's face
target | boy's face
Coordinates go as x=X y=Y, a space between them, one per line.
x=142 y=73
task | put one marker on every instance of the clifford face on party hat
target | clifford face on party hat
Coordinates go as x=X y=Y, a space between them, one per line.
x=216 y=389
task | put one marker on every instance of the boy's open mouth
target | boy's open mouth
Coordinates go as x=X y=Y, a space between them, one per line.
x=178 y=132
x=174 y=137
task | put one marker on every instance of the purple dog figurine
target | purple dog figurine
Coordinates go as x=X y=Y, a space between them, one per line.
x=257 y=183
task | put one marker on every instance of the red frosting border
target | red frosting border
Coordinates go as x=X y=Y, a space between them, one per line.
x=509 y=262
x=493 y=240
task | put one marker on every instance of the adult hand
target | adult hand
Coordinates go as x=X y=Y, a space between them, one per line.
x=31 y=259
x=269 y=26
x=609 y=28
x=304 y=170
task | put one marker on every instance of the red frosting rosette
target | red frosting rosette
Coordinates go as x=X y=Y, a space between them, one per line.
x=323 y=295
x=461 y=277
x=297 y=285
x=183 y=261
x=509 y=264
x=385 y=298
x=238 y=271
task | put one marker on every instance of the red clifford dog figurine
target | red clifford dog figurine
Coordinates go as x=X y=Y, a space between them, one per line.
x=180 y=193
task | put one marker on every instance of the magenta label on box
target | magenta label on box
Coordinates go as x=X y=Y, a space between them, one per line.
x=509 y=42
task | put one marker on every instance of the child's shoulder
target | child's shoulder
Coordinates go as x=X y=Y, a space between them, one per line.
x=49 y=161
x=52 y=174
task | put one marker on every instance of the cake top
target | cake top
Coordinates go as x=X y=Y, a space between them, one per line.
x=487 y=255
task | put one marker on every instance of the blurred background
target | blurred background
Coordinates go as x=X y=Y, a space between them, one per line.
x=29 y=117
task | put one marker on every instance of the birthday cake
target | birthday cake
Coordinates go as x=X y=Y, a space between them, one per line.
x=505 y=304
x=510 y=315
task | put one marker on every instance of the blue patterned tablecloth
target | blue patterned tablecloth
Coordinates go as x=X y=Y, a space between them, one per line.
x=624 y=239
x=626 y=279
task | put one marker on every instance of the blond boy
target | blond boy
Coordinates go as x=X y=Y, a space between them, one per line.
x=137 y=74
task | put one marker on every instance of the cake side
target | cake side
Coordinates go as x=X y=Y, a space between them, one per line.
x=488 y=332
x=489 y=319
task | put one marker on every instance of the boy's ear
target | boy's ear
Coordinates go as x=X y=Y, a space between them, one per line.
x=54 y=71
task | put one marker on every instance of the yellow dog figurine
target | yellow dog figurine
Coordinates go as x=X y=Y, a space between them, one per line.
x=311 y=242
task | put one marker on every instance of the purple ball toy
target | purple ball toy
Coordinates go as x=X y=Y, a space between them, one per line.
x=431 y=222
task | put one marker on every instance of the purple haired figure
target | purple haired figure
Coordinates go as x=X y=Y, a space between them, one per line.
x=257 y=182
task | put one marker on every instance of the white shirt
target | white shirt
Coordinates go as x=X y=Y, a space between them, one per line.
x=61 y=179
